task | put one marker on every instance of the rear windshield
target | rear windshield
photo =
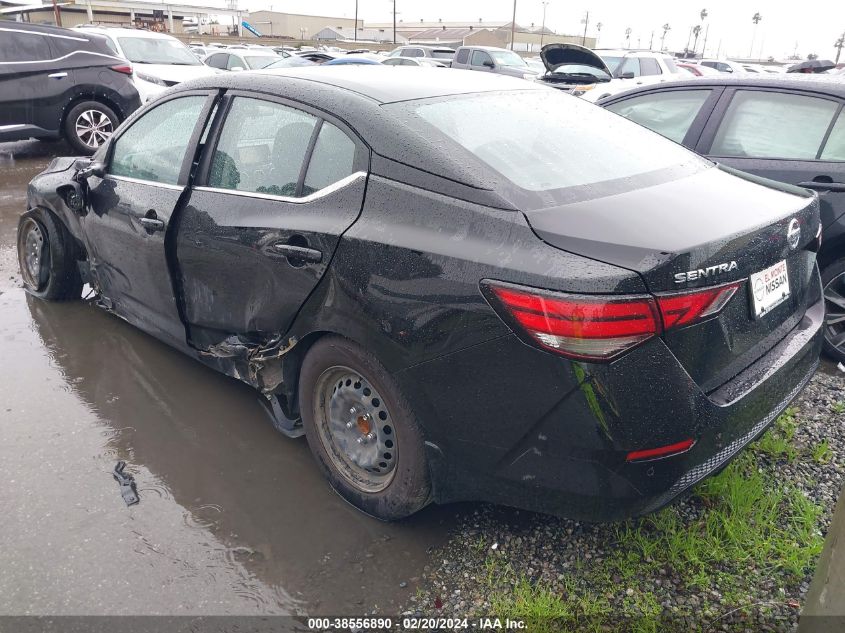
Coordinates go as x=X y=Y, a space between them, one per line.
x=148 y=50
x=257 y=62
x=444 y=54
x=545 y=139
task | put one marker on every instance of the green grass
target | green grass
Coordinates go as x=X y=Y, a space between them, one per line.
x=752 y=526
x=822 y=453
x=838 y=407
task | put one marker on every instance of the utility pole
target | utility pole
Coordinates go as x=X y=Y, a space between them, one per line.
x=756 y=19
x=394 y=22
x=840 y=44
x=57 y=13
x=513 y=24
x=355 y=27
x=666 y=29
x=545 y=3
x=706 y=33
x=586 y=22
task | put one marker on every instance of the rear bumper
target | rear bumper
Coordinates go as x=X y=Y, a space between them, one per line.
x=562 y=448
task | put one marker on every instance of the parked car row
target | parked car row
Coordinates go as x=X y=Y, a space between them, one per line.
x=789 y=128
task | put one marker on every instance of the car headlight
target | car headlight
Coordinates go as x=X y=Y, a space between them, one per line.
x=151 y=79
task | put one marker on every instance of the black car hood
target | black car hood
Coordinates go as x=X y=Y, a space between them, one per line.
x=556 y=55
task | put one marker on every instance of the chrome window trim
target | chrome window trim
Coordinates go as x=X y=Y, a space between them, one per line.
x=62 y=37
x=325 y=191
x=63 y=57
x=141 y=181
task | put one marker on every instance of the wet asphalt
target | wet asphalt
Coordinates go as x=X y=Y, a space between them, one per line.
x=234 y=518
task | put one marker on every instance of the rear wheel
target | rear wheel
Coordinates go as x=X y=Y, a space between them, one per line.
x=88 y=125
x=833 y=281
x=46 y=258
x=362 y=431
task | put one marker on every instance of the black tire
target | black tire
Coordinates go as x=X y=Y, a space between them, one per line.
x=52 y=273
x=103 y=122
x=833 y=282
x=408 y=488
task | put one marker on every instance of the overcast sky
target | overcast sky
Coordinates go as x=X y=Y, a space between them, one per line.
x=813 y=26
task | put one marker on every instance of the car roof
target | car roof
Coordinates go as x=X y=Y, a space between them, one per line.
x=485 y=48
x=628 y=53
x=46 y=29
x=379 y=84
x=828 y=84
x=117 y=31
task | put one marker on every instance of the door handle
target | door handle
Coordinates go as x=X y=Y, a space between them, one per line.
x=298 y=252
x=151 y=222
x=823 y=186
x=57 y=75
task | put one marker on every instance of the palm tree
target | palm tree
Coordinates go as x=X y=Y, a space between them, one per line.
x=697 y=30
x=756 y=19
x=628 y=37
x=666 y=29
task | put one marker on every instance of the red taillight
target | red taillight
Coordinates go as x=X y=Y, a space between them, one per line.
x=687 y=308
x=126 y=69
x=580 y=326
x=601 y=327
x=657 y=453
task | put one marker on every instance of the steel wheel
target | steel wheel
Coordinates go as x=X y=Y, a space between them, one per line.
x=355 y=428
x=834 y=318
x=33 y=254
x=93 y=128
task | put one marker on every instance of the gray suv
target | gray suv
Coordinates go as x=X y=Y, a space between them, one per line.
x=492 y=60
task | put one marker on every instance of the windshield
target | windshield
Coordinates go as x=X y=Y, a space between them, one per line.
x=507 y=58
x=612 y=63
x=544 y=140
x=149 y=50
x=260 y=61
x=582 y=69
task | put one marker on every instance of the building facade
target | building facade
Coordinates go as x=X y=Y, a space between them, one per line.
x=298 y=27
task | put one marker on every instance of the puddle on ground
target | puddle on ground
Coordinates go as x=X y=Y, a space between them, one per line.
x=234 y=518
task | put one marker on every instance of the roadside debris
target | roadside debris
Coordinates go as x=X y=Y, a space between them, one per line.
x=127 y=484
x=840 y=367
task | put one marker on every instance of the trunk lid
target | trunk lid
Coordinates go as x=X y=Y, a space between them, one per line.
x=714 y=227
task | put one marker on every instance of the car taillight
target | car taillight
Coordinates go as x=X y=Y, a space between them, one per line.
x=126 y=69
x=600 y=327
x=579 y=326
x=686 y=308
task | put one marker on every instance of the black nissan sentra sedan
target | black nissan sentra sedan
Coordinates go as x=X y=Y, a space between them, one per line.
x=456 y=285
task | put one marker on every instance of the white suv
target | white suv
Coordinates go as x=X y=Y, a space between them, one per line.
x=159 y=60
x=631 y=69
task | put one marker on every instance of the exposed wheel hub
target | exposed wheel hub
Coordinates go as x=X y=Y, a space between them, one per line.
x=355 y=429
x=33 y=254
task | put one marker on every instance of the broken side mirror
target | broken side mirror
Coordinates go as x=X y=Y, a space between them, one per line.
x=73 y=196
x=94 y=168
